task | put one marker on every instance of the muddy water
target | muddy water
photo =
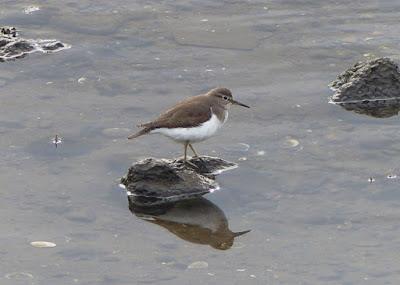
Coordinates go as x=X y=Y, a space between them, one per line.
x=302 y=186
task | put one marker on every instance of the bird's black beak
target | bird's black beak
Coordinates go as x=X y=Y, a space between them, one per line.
x=234 y=102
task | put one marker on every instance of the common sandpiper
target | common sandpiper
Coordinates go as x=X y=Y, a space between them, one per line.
x=192 y=120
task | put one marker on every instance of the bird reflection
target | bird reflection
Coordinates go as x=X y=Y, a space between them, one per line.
x=374 y=108
x=197 y=221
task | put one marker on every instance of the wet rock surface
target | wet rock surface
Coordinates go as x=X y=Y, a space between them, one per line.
x=371 y=88
x=151 y=182
x=12 y=46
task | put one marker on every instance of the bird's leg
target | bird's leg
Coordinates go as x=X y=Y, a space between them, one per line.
x=195 y=153
x=185 y=161
x=185 y=152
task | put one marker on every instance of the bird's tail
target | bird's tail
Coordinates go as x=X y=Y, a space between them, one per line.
x=139 y=133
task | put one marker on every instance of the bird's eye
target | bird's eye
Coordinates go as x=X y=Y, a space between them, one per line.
x=225 y=97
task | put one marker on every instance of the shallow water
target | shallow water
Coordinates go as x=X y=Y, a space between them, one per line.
x=314 y=216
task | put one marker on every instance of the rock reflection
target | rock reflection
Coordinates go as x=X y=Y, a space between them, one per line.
x=197 y=221
x=374 y=108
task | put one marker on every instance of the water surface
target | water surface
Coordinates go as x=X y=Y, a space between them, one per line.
x=314 y=216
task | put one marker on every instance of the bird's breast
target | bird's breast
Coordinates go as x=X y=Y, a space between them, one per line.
x=194 y=134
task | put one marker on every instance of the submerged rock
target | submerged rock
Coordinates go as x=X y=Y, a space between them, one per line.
x=12 y=46
x=197 y=221
x=151 y=182
x=371 y=88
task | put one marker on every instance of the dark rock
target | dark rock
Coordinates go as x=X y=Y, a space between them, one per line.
x=371 y=88
x=197 y=221
x=151 y=182
x=53 y=46
x=12 y=46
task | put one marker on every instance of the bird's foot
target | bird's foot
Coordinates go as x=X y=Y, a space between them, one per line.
x=189 y=163
x=198 y=157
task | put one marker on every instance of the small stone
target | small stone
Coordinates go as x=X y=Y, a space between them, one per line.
x=261 y=153
x=81 y=80
x=198 y=265
x=292 y=142
x=43 y=244
x=18 y=275
x=31 y=9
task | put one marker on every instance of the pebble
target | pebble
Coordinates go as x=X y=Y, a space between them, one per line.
x=31 y=9
x=198 y=265
x=18 y=275
x=292 y=142
x=81 y=80
x=43 y=244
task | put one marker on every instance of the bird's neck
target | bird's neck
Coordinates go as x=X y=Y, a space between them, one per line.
x=220 y=112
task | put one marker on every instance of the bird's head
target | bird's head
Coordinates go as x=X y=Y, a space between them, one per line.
x=224 y=97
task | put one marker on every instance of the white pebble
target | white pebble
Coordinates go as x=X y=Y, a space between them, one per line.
x=31 y=9
x=198 y=265
x=18 y=275
x=292 y=142
x=81 y=80
x=43 y=244
x=260 y=152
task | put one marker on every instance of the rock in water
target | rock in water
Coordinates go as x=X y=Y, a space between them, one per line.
x=12 y=46
x=152 y=182
x=370 y=88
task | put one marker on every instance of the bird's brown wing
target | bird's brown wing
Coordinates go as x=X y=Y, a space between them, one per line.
x=184 y=115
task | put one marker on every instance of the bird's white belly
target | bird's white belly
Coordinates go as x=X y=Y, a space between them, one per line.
x=195 y=134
